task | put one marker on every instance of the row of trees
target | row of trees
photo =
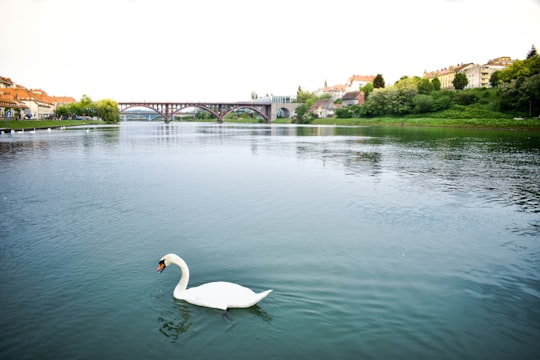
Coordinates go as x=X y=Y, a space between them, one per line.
x=105 y=109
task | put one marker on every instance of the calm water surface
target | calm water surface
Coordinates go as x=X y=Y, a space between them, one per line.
x=379 y=243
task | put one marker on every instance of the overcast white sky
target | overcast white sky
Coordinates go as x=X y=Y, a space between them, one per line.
x=221 y=50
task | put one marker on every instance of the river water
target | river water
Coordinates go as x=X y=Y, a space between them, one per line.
x=379 y=243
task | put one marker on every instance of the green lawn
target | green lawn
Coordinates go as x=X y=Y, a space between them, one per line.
x=44 y=124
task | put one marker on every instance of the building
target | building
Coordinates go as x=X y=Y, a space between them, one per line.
x=18 y=101
x=353 y=85
x=477 y=75
x=356 y=82
x=353 y=98
x=446 y=76
x=323 y=108
x=336 y=91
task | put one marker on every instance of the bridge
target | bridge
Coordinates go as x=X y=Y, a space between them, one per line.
x=269 y=109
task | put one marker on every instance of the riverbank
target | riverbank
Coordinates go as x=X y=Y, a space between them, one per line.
x=518 y=124
x=17 y=125
x=532 y=124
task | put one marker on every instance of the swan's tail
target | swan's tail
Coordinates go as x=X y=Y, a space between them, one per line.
x=250 y=301
x=263 y=294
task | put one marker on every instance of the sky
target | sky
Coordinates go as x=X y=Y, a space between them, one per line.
x=223 y=50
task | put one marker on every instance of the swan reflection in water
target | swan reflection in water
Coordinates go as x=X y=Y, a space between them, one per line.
x=174 y=325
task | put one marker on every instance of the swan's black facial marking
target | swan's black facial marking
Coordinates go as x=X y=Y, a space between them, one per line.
x=161 y=266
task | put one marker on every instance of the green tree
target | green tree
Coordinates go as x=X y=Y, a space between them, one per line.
x=424 y=86
x=442 y=99
x=301 y=113
x=436 y=84
x=406 y=82
x=378 y=82
x=519 y=84
x=63 y=111
x=85 y=101
x=304 y=96
x=367 y=89
x=343 y=113
x=422 y=103
x=494 y=78
x=108 y=111
x=460 y=81
x=466 y=98
x=520 y=69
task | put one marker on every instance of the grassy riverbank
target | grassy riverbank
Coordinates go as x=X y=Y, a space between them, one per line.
x=483 y=123
x=44 y=124
x=524 y=124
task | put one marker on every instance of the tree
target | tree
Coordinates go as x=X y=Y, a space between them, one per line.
x=107 y=110
x=436 y=84
x=494 y=79
x=532 y=53
x=85 y=101
x=305 y=96
x=519 y=84
x=409 y=83
x=422 y=103
x=378 y=82
x=367 y=89
x=343 y=113
x=460 y=81
x=301 y=113
x=424 y=86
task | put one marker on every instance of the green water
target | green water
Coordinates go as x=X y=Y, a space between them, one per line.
x=379 y=243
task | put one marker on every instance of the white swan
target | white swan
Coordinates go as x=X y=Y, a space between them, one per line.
x=218 y=295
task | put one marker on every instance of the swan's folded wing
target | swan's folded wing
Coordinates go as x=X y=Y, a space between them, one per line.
x=223 y=295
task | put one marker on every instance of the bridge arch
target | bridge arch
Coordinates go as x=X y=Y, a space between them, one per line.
x=147 y=106
x=254 y=109
x=198 y=106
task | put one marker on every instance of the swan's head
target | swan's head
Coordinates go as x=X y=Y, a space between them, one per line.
x=164 y=262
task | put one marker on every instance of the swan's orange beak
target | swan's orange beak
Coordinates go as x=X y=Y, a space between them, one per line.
x=161 y=266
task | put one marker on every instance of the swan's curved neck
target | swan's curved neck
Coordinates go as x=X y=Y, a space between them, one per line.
x=184 y=278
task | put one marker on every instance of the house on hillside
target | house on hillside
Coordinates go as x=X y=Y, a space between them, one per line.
x=353 y=98
x=323 y=108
